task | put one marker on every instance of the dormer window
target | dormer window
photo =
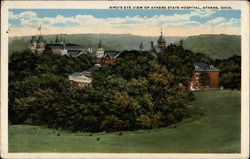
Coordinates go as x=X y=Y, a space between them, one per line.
x=196 y=67
x=211 y=67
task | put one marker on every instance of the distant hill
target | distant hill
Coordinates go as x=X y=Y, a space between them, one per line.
x=215 y=46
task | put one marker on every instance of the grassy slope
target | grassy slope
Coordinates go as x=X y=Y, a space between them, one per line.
x=215 y=46
x=217 y=131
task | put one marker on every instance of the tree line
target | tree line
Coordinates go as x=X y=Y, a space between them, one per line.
x=141 y=91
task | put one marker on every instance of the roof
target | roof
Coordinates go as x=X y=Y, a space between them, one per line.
x=100 y=44
x=33 y=39
x=91 y=53
x=85 y=74
x=157 y=49
x=75 y=53
x=40 y=39
x=201 y=66
x=55 y=46
x=80 y=77
x=141 y=46
x=161 y=39
x=111 y=54
x=75 y=74
x=94 y=68
x=73 y=47
x=57 y=39
x=67 y=46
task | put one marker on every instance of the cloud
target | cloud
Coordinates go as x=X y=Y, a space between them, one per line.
x=176 y=24
x=230 y=23
x=216 y=20
x=202 y=13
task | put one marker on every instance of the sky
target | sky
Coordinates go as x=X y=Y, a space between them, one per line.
x=25 y=22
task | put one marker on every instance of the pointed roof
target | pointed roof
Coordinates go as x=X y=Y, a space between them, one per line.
x=161 y=39
x=57 y=39
x=61 y=38
x=141 y=46
x=89 y=44
x=40 y=39
x=33 y=39
x=100 y=44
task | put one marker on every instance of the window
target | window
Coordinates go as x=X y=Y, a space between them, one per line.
x=196 y=68
x=197 y=76
x=196 y=84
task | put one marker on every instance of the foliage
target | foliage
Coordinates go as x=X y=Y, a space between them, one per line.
x=141 y=91
x=217 y=131
x=230 y=73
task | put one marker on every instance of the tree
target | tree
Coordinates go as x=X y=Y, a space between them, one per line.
x=140 y=91
x=230 y=72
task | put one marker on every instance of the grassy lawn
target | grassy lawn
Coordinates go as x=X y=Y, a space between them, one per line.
x=218 y=130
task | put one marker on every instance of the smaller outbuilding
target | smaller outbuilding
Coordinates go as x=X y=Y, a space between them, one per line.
x=205 y=77
x=82 y=79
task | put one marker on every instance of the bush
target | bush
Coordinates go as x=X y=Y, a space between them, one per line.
x=112 y=123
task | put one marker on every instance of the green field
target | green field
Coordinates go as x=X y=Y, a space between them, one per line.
x=218 y=130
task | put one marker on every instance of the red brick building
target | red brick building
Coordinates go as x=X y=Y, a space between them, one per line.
x=213 y=74
x=108 y=58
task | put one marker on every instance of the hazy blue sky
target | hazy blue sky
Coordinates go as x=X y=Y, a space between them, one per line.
x=138 y=22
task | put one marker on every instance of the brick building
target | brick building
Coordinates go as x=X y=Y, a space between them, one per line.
x=213 y=74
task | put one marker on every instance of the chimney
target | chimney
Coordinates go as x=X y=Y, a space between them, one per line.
x=152 y=44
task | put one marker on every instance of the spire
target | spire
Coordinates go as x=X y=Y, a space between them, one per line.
x=89 y=44
x=33 y=39
x=57 y=39
x=141 y=46
x=100 y=44
x=161 y=39
x=61 y=38
x=40 y=30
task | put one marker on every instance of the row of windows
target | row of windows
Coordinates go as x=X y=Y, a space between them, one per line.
x=210 y=67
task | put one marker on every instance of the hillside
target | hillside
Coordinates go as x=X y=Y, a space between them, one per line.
x=217 y=131
x=215 y=46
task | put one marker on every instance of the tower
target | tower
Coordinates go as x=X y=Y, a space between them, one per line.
x=61 y=40
x=33 y=44
x=141 y=48
x=57 y=40
x=100 y=50
x=90 y=50
x=40 y=45
x=161 y=41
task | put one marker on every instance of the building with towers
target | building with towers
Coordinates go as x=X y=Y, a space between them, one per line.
x=37 y=45
x=161 y=44
x=59 y=46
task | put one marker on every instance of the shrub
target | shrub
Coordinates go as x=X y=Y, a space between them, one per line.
x=112 y=123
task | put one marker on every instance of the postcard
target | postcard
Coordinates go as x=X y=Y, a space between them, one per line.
x=124 y=79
